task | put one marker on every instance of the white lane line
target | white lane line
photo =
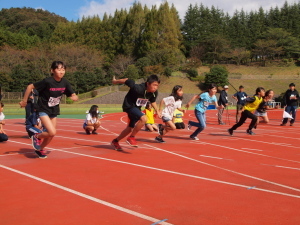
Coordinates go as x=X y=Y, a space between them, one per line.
x=265 y=142
x=120 y=208
x=251 y=149
x=224 y=169
x=286 y=167
x=213 y=157
x=170 y=171
x=239 y=150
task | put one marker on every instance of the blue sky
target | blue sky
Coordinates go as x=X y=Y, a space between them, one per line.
x=75 y=9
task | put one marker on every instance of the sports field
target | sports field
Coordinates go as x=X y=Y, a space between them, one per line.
x=220 y=179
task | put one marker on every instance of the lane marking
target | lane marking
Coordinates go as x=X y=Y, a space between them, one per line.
x=228 y=170
x=170 y=171
x=120 y=208
x=251 y=149
x=207 y=156
x=158 y=222
x=286 y=167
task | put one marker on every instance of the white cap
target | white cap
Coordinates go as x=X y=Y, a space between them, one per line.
x=226 y=86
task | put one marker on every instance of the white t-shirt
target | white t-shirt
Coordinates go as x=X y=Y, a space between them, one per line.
x=170 y=106
x=89 y=118
x=2 y=116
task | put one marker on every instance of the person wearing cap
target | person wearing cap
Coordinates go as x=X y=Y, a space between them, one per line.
x=223 y=103
x=240 y=97
x=290 y=103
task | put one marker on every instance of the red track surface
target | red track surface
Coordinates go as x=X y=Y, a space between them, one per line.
x=217 y=180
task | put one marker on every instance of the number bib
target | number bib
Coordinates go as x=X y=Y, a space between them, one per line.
x=141 y=102
x=54 y=101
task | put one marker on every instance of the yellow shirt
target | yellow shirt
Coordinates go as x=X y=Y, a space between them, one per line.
x=252 y=106
x=150 y=116
x=178 y=116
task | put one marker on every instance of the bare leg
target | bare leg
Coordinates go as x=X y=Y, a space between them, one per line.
x=50 y=125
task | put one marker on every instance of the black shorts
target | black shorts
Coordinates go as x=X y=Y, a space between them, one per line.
x=134 y=115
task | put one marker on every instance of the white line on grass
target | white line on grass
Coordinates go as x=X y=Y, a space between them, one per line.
x=120 y=208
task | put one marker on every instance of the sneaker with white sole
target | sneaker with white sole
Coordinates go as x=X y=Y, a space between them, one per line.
x=41 y=154
x=131 y=141
x=116 y=145
x=194 y=138
x=36 y=142
x=250 y=132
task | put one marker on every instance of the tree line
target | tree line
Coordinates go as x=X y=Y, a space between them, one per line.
x=141 y=41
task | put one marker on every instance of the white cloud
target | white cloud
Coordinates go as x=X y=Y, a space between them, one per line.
x=109 y=6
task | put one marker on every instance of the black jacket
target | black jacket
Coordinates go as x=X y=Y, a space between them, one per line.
x=290 y=102
x=223 y=100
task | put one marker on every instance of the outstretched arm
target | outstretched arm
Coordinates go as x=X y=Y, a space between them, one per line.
x=190 y=102
x=154 y=105
x=120 y=81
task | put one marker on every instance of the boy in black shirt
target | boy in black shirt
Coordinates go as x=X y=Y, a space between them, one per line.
x=240 y=97
x=137 y=96
x=290 y=102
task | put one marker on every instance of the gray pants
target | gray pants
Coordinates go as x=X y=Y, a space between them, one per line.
x=220 y=115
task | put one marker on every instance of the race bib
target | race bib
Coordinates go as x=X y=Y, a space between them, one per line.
x=54 y=101
x=206 y=104
x=141 y=102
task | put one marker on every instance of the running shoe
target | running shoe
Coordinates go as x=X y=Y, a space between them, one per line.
x=159 y=139
x=131 y=141
x=94 y=132
x=194 y=138
x=189 y=126
x=230 y=132
x=87 y=131
x=36 y=142
x=283 y=124
x=250 y=132
x=41 y=154
x=160 y=129
x=116 y=145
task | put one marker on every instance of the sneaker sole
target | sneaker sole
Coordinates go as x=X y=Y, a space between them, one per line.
x=118 y=149
x=131 y=144
x=33 y=144
x=41 y=157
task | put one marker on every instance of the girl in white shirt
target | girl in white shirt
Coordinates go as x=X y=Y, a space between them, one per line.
x=170 y=103
x=92 y=121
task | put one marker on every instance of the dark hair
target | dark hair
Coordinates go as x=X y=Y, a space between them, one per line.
x=93 y=111
x=268 y=92
x=259 y=89
x=2 y=105
x=292 y=84
x=152 y=78
x=55 y=65
x=211 y=86
x=241 y=86
x=174 y=92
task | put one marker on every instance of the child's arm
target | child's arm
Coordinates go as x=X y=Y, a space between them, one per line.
x=154 y=105
x=74 y=97
x=28 y=91
x=182 y=110
x=120 y=81
x=190 y=102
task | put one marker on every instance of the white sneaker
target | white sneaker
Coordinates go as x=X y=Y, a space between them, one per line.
x=194 y=138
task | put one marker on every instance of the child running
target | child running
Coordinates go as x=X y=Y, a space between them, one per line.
x=204 y=100
x=34 y=124
x=137 y=96
x=3 y=135
x=149 y=112
x=171 y=103
x=92 y=122
x=264 y=106
x=51 y=90
x=251 y=105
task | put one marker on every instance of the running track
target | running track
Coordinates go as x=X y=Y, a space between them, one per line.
x=219 y=179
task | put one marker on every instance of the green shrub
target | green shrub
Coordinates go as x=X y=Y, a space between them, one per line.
x=192 y=73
